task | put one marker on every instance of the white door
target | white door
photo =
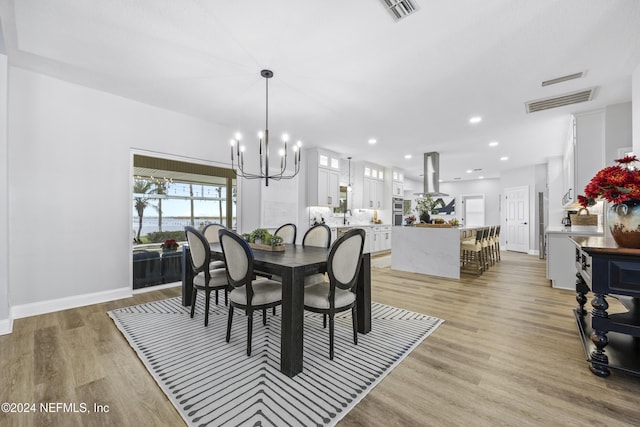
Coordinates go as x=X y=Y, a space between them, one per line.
x=517 y=219
x=473 y=211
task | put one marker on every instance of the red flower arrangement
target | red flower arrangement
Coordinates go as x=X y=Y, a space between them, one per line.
x=617 y=184
x=170 y=244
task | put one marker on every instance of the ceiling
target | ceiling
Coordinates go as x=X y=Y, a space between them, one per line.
x=345 y=72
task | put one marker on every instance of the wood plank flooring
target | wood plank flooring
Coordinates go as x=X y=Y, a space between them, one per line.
x=507 y=354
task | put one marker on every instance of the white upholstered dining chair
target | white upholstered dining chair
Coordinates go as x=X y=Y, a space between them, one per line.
x=205 y=279
x=287 y=232
x=210 y=233
x=246 y=294
x=320 y=236
x=339 y=293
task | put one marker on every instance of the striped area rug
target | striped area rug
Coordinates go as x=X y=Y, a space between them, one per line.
x=212 y=382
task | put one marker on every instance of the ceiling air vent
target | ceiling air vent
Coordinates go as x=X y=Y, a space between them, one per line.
x=563 y=79
x=400 y=9
x=560 y=101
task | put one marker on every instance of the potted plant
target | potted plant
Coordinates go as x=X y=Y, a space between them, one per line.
x=410 y=219
x=169 y=245
x=275 y=241
x=424 y=207
x=620 y=186
x=259 y=235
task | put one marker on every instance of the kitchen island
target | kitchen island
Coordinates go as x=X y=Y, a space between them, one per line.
x=433 y=251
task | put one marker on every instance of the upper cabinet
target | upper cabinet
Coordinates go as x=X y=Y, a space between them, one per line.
x=373 y=186
x=585 y=153
x=323 y=178
x=397 y=183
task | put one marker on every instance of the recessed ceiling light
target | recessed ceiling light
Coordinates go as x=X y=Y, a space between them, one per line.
x=372 y=141
x=481 y=177
x=469 y=171
x=440 y=180
x=476 y=119
x=503 y=158
x=407 y=156
x=493 y=144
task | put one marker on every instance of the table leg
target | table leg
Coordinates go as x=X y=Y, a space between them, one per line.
x=582 y=289
x=363 y=295
x=599 y=360
x=291 y=341
x=187 y=276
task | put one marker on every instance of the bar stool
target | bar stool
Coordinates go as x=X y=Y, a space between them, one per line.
x=473 y=253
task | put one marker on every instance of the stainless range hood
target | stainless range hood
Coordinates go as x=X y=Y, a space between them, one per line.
x=431 y=175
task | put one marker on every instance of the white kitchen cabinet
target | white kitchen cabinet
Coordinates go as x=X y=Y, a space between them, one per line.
x=367 y=240
x=561 y=256
x=373 y=192
x=584 y=155
x=398 y=189
x=381 y=238
x=589 y=149
x=568 y=172
x=397 y=177
x=323 y=178
x=386 y=237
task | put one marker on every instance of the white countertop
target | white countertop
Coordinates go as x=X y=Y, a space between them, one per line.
x=568 y=231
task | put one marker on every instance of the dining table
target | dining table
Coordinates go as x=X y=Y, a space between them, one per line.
x=292 y=265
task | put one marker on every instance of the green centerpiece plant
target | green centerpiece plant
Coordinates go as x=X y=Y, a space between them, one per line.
x=425 y=206
x=259 y=236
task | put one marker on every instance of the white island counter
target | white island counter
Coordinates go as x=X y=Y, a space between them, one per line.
x=426 y=250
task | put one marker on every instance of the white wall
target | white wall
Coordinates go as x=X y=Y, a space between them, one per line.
x=489 y=188
x=5 y=322
x=69 y=174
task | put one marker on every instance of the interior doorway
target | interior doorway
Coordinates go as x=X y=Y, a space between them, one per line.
x=473 y=210
x=517 y=219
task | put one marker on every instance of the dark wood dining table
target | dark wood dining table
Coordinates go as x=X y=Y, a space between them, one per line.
x=292 y=265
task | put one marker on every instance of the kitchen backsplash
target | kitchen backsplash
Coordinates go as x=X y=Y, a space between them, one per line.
x=357 y=217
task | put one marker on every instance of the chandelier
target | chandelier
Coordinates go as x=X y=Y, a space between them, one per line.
x=264 y=151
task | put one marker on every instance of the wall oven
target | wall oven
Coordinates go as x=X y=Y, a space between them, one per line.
x=397 y=209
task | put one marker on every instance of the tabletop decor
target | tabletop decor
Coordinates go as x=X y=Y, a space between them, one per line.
x=619 y=185
x=260 y=238
x=169 y=245
x=254 y=392
x=410 y=219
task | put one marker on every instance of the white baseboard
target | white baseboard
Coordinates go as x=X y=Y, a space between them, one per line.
x=6 y=326
x=42 y=307
x=534 y=252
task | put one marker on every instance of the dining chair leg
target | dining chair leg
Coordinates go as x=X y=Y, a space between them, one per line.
x=274 y=310
x=354 y=319
x=331 y=336
x=264 y=317
x=193 y=301
x=226 y=297
x=249 y=331
x=216 y=297
x=324 y=321
x=229 y=320
x=207 y=297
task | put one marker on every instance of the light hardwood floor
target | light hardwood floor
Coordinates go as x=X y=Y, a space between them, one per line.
x=507 y=354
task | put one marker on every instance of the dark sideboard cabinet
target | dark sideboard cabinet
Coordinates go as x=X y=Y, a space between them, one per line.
x=610 y=340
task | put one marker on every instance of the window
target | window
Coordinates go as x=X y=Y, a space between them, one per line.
x=170 y=194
